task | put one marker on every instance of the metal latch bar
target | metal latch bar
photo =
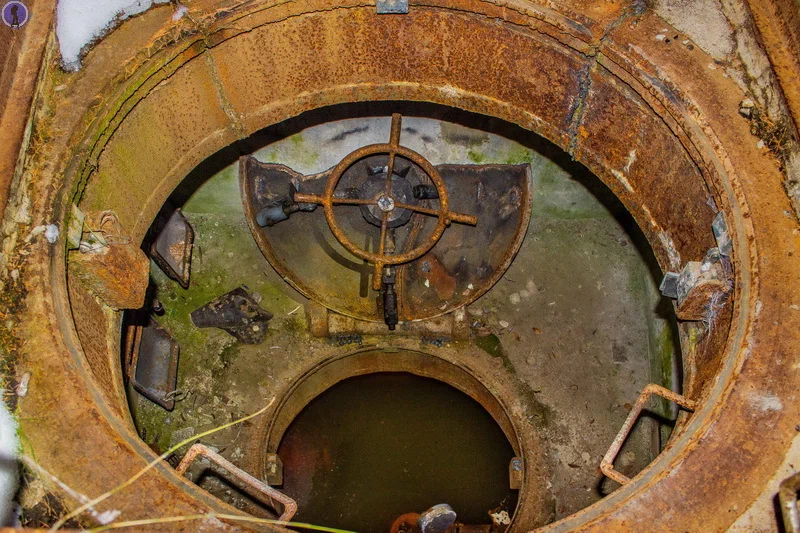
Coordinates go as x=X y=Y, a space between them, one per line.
x=607 y=464
x=271 y=495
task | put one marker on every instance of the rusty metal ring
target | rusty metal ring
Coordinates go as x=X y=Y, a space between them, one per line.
x=393 y=149
x=329 y=201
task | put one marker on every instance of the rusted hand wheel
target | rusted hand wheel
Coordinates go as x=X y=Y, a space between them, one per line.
x=386 y=203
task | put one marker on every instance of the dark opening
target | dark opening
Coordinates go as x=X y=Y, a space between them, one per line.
x=375 y=447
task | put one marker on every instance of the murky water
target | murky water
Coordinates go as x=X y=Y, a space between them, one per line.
x=375 y=447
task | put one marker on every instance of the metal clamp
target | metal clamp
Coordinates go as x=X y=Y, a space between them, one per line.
x=288 y=505
x=787 y=495
x=607 y=464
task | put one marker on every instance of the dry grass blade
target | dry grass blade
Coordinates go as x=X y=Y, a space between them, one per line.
x=231 y=517
x=152 y=464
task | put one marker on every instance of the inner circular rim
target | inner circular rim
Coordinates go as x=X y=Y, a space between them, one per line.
x=739 y=331
x=523 y=438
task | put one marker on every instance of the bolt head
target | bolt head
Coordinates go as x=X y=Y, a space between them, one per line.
x=385 y=203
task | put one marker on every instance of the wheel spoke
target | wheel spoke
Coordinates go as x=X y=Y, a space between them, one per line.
x=394 y=142
x=460 y=218
x=394 y=136
x=384 y=230
x=417 y=209
x=452 y=217
x=314 y=199
x=389 y=171
x=377 y=277
x=308 y=198
x=352 y=201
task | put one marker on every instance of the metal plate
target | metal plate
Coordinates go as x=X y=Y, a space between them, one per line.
x=237 y=313
x=172 y=249
x=462 y=266
x=153 y=369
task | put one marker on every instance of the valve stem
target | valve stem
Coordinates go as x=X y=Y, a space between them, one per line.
x=390 y=315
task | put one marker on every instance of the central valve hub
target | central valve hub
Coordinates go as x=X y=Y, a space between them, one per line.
x=374 y=187
x=386 y=203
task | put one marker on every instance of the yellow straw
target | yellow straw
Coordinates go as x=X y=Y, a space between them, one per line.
x=150 y=465
x=233 y=517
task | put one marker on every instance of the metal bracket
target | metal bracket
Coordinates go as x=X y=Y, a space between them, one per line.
x=172 y=248
x=720 y=229
x=288 y=507
x=392 y=7
x=787 y=494
x=516 y=473
x=153 y=363
x=107 y=263
x=607 y=464
x=701 y=287
x=237 y=313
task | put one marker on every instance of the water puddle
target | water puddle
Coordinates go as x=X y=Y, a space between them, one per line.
x=375 y=447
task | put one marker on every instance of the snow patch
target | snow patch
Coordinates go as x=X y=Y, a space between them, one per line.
x=180 y=12
x=9 y=448
x=106 y=517
x=81 y=22
x=22 y=386
x=51 y=233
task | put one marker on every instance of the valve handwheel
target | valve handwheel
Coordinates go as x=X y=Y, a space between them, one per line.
x=386 y=203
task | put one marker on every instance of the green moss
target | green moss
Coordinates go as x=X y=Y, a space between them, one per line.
x=694 y=337
x=228 y=354
x=12 y=298
x=221 y=198
x=666 y=354
x=303 y=154
x=490 y=344
x=519 y=155
x=476 y=157
x=543 y=413
x=560 y=194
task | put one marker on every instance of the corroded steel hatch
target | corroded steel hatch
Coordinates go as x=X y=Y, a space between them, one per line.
x=166 y=103
x=396 y=225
